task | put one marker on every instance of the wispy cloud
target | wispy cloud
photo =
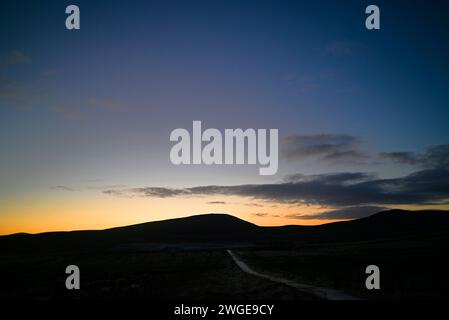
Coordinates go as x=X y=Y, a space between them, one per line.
x=64 y=188
x=326 y=147
x=340 y=214
x=434 y=157
x=110 y=187
x=265 y=215
x=333 y=178
x=258 y=205
x=117 y=193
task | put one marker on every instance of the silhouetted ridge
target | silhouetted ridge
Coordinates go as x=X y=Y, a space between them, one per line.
x=226 y=229
x=386 y=224
x=207 y=227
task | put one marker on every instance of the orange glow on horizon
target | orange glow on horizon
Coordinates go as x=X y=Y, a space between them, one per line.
x=82 y=212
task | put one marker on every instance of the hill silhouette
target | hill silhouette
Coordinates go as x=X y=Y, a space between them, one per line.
x=227 y=229
x=383 y=225
x=204 y=228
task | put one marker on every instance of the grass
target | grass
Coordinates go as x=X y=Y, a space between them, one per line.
x=196 y=275
x=408 y=269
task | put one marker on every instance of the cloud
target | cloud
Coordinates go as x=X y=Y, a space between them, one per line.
x=340 y=177
x=327 y=147
x=341 y=214
x=334 y=190
x=117 y=193
x=113 y=189
x=400 y=157
x=434 y=157
x=105 y=187
x=159 y=192
x=216 y=202
x=265 y=215
x=64 y=188
x=258 y=205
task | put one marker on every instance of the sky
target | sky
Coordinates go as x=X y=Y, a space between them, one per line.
x=86 y=115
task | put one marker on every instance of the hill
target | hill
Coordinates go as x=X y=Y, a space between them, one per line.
x=228 y=230
x=388 y=224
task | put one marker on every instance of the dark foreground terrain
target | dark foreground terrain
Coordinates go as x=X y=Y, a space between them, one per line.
x=187 y=259
x=410 y=268
x=192 y=275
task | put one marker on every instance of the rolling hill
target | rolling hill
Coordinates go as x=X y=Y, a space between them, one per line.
x=227 y=230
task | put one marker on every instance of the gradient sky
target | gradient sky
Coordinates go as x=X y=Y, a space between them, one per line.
x=86 y=115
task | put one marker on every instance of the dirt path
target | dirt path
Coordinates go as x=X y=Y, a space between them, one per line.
x=323 y=293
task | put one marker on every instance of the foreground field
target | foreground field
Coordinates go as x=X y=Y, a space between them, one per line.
x=410 y=268
x=206 y=275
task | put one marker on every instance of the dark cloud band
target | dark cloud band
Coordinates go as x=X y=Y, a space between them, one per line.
x=337 y=190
